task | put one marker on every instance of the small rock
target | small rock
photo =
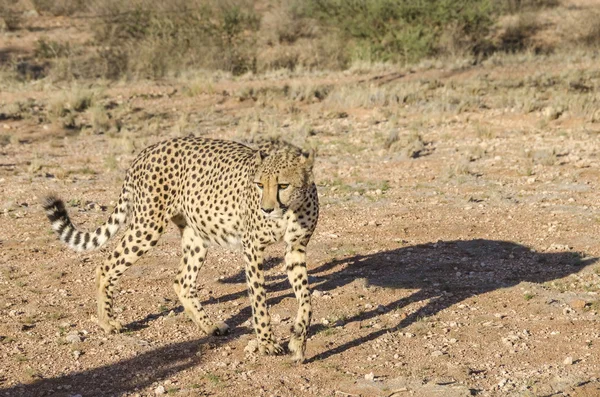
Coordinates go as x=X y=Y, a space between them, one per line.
x=578 y=304
x=370 y=376
x=73 y=338
x=552 y=113
x=568 y=361
x=380 y=309
x=76 y=354
x=353 y=325
x=252 y=346
x=159 y=390
x=437 y=353
x=31 y=14
x=317 y=294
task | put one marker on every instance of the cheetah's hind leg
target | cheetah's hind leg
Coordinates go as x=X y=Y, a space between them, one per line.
x=134 y=243
x=194 y=252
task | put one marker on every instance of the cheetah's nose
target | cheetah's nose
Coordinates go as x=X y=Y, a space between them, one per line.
x=267 y=210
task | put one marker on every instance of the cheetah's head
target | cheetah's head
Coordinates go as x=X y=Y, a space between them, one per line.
x=283 y=180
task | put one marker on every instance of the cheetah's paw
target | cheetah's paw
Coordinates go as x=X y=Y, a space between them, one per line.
x=270 y=348
x=110 y=326
x=297 y=346
x=219 y=329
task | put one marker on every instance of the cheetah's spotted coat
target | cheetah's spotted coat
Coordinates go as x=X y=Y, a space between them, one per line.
x=215 y=191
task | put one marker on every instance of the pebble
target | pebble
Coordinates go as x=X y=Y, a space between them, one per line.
x=317 y=294
x=370 y=376
x=578 y=304
x=437 y=353
x=76 y=354
x=159 y=390
x=73 y=338
x=252 y=346
x=568 y=361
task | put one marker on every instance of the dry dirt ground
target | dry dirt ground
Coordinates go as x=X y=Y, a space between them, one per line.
x=456 y=252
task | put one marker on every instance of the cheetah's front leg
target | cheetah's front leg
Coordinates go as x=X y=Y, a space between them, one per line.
x=258 y=298
x=295 y=261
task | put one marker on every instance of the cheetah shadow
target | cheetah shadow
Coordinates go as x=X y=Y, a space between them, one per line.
x=118 y=378
x=443 y=273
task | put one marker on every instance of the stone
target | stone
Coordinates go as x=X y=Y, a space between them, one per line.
x=578 y=304
x=252 y=346
x=568 y=361
x=73 y=338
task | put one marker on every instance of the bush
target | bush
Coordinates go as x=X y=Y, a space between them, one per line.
x=10 y=15
x=59 y=7
x=517 y=6
x=400 y=30
x=153 y=38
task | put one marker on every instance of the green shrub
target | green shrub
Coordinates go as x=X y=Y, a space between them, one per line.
x=59 y=7
x=400 y=30
x=517 y=6
x=10 y=15
x=153 y=38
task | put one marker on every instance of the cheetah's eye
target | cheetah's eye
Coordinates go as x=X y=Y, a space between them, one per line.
x=260 y=185
x=283 y=186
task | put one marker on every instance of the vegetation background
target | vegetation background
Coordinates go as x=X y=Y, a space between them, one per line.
x=153 y=39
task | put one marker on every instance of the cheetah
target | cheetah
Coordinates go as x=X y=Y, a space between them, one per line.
x=216 y=192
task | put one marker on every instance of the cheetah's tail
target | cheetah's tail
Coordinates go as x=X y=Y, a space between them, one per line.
x=84 y=241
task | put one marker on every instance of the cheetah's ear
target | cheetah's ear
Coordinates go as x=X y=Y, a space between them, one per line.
x=260 y=156
x=308 y=158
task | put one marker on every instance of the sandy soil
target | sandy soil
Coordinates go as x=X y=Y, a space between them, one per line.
x=466 y=267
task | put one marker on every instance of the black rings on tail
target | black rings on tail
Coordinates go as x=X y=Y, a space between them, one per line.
x=78 y=240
